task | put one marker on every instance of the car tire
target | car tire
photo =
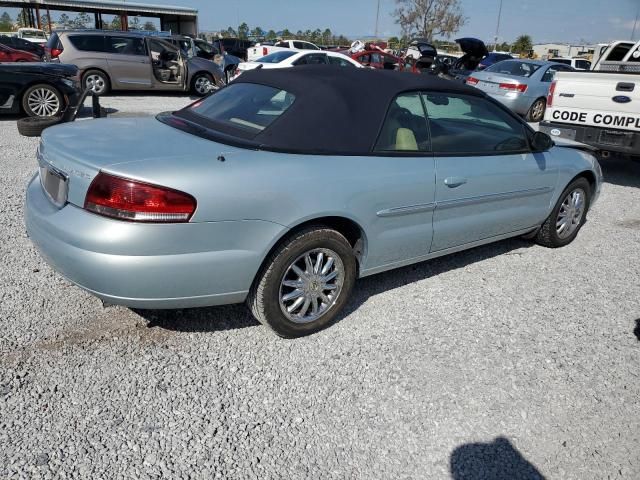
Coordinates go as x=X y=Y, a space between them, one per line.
x=280 y=288
x=34 y=126
x=537 y=110
x=43 y=100
x=199 y=82
x=96 y=81
x=570 y=211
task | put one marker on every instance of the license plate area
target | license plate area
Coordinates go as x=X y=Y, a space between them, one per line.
x=615 y=138
x=55 y=185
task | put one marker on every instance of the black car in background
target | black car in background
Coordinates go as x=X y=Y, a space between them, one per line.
x=21 y=44
x=39 y=89
x=234 y=46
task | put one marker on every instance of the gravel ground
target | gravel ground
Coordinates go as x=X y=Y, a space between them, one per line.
x=508 y=361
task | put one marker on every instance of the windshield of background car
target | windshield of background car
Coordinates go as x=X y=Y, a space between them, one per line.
x=246 y=107
x=33 y=34
x=514 y=68
x=276 y=57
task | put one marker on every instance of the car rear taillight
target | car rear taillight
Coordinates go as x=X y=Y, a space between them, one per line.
x=265 y=51
x=53 y=52
x=472 y=81
x=3 y=55
x=552 y=91
x=136 y=201
x=514 y=87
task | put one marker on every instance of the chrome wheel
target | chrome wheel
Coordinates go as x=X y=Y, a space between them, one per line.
x=43 y=102
x=570 y=213
x=311 y=285
x=202 y=85
x=537 y=111
x=96 y=83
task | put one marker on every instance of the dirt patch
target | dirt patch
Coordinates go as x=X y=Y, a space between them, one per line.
x=633 y=223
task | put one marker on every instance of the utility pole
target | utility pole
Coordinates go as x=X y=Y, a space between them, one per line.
x=377 y=19
x=495 y=46
x=635 y=24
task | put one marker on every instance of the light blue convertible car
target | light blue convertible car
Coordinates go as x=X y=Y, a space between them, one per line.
x=283 y=188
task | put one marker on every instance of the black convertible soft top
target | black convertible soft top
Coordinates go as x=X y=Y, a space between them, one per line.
x=338 y=109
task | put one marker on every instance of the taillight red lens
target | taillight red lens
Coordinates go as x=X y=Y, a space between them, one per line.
x=552 y=91
x=472 y=81
x=55 y=52
x=264 y=51
x=127 y=199
x=514 y=87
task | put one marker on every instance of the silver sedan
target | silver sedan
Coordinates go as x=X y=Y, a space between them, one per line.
x=520 y=85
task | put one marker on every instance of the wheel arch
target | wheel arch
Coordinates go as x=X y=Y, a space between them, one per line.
x=349 y=228
x=589 y=176
x=99 y=69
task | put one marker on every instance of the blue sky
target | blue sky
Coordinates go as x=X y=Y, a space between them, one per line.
x=572 y=21
x=544 y=20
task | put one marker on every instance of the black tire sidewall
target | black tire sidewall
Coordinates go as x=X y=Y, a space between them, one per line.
x=34 y=126
x=288 y=253
x=54 y=90
x=586 y=187
x=105 y=77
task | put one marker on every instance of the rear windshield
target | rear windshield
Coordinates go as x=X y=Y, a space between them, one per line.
x=277 y=57
x=565 y=61
x=514 y=68
x=245 y=107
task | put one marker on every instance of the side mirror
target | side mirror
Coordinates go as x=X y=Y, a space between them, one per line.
x=541 y=142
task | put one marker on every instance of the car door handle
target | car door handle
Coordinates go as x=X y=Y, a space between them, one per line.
x=453 y=182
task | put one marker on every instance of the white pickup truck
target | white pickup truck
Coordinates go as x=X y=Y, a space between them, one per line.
x=33 y=35
x=597 y=108
x=260 y=51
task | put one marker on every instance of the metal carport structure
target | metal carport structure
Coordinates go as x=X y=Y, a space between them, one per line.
x=176 y=19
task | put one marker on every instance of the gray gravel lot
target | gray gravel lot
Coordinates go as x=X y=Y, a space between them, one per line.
x=508 y=361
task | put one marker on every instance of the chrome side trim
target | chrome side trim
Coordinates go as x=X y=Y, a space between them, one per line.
x=493 y=197
x=9 y=102
x=408 y=210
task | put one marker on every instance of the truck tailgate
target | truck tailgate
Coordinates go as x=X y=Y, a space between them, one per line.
x=598 y=99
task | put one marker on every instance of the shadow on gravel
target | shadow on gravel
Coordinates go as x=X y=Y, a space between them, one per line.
x=636 y=331
x=621 y=171
x=498 y=460
x=382 y=282
x=211 y=319
x=230 y=317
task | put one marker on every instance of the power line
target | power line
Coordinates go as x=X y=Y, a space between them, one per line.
x=498 y=26
x=377 y=19
x=635 y=24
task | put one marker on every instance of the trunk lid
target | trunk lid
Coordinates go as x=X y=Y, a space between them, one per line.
x=142 y=149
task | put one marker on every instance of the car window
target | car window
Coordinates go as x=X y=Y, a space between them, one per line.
x=565 y=61
x=277 y=57
x=583 y=64
x=376 y=58
x=304 y=46
x=247 y=107
x=465 y=124
x=551 y=72
x=340 y=62
x=619 y=52
x=405 y=126
x=364 y=58
x=514 y=67
x=125 y=45
x=88 y=43
x=312 y=59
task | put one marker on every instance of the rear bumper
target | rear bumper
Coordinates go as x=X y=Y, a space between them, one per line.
x=519 y=103
x=148 y=265
x=593 y=136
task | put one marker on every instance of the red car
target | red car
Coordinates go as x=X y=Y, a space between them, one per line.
x=379 y=60
x=8 y=54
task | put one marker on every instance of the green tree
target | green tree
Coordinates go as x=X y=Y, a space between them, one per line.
x=21 y=20
x=149 y=26
x=134 y=23
x=82 y=20
x=504 y=47
x=243 y=31
x=286 y=33
x=116 y=24
x=230 y=33
x=257 y=32
x=343 y=41
x=429 y=18
x=63 y=21
x=523 y=45
x=44 y=21
x=327 y=36
x=6 y=24
x=271 y=35
x=394 y=42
